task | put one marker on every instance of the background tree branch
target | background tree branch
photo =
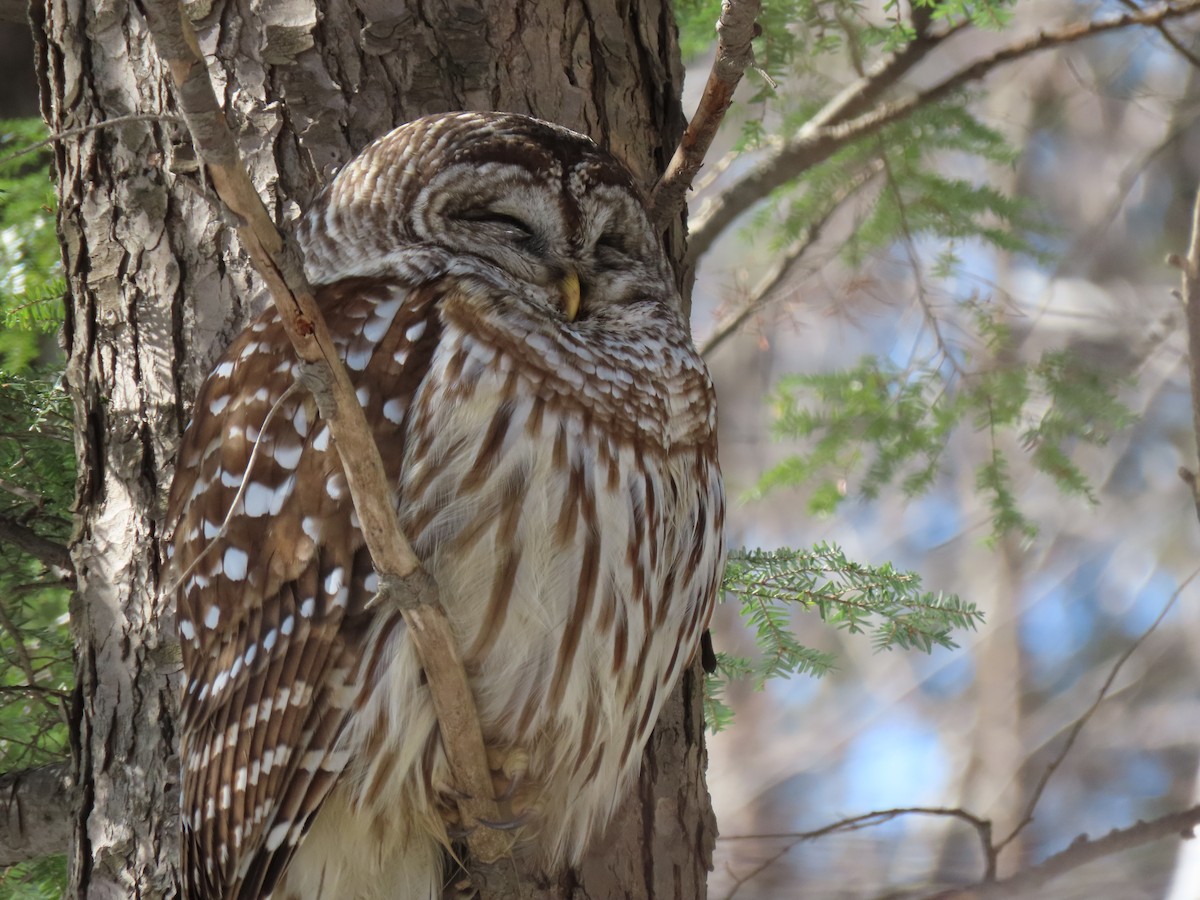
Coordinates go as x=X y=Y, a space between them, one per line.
x=27 y=540
x=846 y=119
x=36 y=809
x=736 y=28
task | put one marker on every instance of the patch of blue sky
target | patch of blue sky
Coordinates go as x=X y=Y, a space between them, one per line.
x=1056 y=624
x=930 y=521
x=946 y=673
x=898 y=761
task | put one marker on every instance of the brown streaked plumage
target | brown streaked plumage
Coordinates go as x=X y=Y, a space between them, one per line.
x=557 y=475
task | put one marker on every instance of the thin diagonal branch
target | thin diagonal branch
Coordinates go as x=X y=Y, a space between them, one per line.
x=1175 y=43
x=760 y=297
x=1073 y=735
x=84 y=129
x=403 y=583
x=736 y=28
x=846 y=119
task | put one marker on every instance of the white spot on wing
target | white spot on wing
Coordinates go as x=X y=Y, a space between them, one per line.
x=393 y=411
x=235 y=564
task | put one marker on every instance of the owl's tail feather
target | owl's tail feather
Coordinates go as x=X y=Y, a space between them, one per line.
x=352 y=855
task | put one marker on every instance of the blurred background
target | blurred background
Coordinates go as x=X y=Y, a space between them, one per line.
x=1107 y=151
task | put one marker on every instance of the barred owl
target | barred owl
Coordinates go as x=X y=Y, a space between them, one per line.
x=509 y=319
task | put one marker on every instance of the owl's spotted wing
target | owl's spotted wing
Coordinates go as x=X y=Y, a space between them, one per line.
x=272 y=601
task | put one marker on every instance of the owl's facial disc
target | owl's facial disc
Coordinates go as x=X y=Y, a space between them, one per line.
x=576 y=244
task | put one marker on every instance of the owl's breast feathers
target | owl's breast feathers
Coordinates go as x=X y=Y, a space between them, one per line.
x=560 y=484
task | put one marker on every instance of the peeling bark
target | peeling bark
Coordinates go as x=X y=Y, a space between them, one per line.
x=158 y=286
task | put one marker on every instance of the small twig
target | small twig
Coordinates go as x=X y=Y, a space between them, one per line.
x=25 y=662
x=914 y=262
x=292 y=390
x=764 y=291
x=1168 y=37
x=84 y=129
x=736 y=28
x=279 y=262
x=1073 y=734
x=983 y=828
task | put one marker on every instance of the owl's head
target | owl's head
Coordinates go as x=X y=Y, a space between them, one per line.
x=534 y=207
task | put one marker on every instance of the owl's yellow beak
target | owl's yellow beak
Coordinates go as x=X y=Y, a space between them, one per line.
x=570 y=295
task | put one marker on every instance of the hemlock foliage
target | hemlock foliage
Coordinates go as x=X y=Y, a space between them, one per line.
x=37 y=474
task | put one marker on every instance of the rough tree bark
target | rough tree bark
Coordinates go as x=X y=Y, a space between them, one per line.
x=158 y=286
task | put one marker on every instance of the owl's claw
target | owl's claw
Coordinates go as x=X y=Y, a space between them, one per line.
x=509 y=768
x=519 y=821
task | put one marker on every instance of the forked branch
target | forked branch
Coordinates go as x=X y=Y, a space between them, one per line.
x=736 y=28
x=851 y=115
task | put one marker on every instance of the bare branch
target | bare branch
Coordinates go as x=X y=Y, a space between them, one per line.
x=1189 y=267
x=983 y=828
x=1081 y=852
x=37 y=808
x=43 y=549
x=736 y=28
x=23 y=492
x=1175 y=43
x=404 y=585
x=761 y=295
x=1073 y=734
x=84 y=129
x=833 y=128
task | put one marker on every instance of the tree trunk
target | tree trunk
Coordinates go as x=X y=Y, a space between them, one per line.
x=158 y=286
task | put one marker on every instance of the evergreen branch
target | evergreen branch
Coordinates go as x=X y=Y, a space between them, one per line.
x=27 y=540
x=833 y=127
x=736 y=28
x=845 y=594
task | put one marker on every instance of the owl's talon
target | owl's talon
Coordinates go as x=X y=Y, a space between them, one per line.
x=512 y=824
x=509 y=768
